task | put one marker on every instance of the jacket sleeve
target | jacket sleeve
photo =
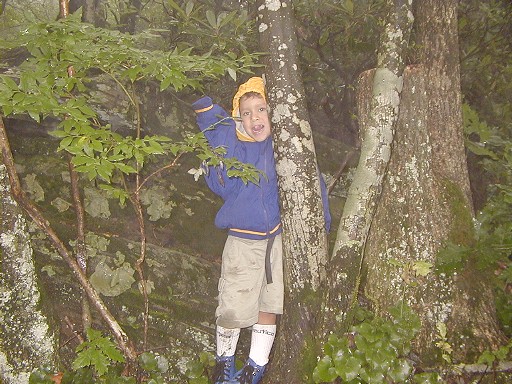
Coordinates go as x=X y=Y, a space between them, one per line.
x=219 y=130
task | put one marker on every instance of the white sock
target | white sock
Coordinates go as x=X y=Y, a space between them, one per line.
x=227 y=339
x=262 y=339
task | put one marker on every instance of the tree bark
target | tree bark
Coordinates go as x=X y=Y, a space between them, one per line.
x=382 y=88
x=426 y=203
x=26 y=341
x=304 y=238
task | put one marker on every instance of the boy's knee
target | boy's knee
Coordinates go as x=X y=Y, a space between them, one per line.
x=231 y=319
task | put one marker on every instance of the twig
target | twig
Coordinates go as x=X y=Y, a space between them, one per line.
x=77 y=334
x=171 y=165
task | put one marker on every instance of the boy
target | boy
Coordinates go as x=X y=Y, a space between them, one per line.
x=251 y=284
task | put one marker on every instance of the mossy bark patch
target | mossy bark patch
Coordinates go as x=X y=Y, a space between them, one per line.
x=26 y=340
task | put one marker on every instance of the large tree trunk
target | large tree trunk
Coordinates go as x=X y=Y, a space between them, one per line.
x=304 y=239
x=425 y=202
x=382 y=88
x=26 y=341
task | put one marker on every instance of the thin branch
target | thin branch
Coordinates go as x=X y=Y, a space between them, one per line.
x=161 y=169
x=121 y=337
x=135 y=199
x=79 y=209
x=81 y=256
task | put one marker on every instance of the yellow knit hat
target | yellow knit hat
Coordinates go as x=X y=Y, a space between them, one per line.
x=254 y=84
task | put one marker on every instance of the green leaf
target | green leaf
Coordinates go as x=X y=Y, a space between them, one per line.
x=104 y=171
x=35 y=115
x=422 y=268
x=324 y=37
x=7 y=109
x=400 y=371
x=451 y=258
x=480 y=149
x=164 y=84
x=82 y=360
x=199 y=380
x=10 y=83
x=98 y=352
x=96 y=145
x=206 y=358
x=111 y=351
x=41 y=376
x=189 y=8
x=427 y=378
x=148 y=361
x=210 y=16
x=348 y=6
x=66 y=141
x=126 y=169
x=82 y=160
x=154 y=148
x=324 y=371
x=60 y=134
x=194 y=369
x=349 y=368
x=133 y=73
x=486 y=358
x=371 y=377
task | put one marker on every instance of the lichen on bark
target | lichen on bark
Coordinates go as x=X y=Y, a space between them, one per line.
x=26 y=341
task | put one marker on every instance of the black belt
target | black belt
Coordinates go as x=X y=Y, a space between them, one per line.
x=268 y=268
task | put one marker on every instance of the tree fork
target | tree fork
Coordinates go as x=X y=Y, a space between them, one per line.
x=378 y=107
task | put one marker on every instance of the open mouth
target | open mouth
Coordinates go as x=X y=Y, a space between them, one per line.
x=258 y=128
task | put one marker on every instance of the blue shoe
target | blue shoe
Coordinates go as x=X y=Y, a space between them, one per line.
x=251 y=373
x=224 y=370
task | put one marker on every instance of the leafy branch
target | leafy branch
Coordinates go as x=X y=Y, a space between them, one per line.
x=41 y=87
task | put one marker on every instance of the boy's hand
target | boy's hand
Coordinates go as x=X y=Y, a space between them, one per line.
x=202 y=103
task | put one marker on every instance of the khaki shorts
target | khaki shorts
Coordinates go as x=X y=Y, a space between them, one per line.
x=243 y=289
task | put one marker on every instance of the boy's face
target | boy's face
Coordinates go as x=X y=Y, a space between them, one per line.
x=254 y=114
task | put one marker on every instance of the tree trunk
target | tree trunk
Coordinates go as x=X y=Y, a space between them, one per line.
x=382 y=89
x=128 y=17
x=26 y=341
x=304 y=238
x=92 y=11
x=426 y=202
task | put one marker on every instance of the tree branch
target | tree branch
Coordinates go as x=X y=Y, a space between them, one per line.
x=122 y=339
x=81 y=256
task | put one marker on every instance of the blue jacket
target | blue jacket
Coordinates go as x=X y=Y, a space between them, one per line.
x=250 y=211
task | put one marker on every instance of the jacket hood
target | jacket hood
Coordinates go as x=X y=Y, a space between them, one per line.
x=254 y=84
